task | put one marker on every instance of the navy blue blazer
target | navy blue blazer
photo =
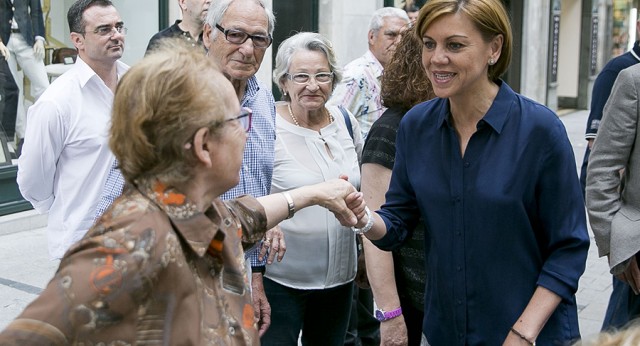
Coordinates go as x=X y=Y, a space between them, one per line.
x=28 y=14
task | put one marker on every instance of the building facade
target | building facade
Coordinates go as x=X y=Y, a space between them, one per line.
x=559 y=45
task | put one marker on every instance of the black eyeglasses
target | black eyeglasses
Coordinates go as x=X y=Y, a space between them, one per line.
x=108 y=30
x=240 y=37
x=304 y=78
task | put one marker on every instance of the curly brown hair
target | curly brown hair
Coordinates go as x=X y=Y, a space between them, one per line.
x=404 y=81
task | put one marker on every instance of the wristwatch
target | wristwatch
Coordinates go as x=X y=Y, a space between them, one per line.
x=382 y=315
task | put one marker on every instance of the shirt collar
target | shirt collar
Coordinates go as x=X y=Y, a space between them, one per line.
x=85 y=72
x=251 y=90
x=497 y=114
x=635 y=51
x=196 y=227
x=374 y=63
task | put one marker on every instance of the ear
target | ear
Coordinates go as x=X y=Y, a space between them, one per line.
x=206 y=36
x=202 y=146
x=496 y=47
x=182 y=4
x=77 y=40
x=371 y=36
x=282 y=86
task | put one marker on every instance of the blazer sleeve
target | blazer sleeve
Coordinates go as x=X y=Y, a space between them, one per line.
x=37 y=22
x=611 y=153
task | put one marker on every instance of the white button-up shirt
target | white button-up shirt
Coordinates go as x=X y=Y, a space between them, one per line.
x=65 y=158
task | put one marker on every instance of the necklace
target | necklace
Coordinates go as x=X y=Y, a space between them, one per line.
x=295 y=121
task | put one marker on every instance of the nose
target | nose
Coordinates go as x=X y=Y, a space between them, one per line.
x=312 y=84
x=439 y=56
x=246 y=48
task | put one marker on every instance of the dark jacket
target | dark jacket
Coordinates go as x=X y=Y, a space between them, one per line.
x=28 y=14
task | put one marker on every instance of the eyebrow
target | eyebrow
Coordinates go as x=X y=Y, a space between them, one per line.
x=261 y=33
x=120 y=23
x=448 y=38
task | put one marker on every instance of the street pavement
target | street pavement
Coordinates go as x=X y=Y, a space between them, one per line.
x=25 y=267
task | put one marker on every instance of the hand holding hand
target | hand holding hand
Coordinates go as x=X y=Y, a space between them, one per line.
x=4 y=51
x=38 y=49
x=340 y=197
x=274 y=245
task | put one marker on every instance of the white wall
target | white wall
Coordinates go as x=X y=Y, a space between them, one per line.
x=346 y=23
x=535 y=34
x=569 y=50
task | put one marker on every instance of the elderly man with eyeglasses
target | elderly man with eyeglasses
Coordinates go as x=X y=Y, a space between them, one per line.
x=66 y=158
x=236 y=35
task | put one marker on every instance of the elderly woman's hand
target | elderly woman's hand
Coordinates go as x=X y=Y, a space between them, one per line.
x=273 y=245
x=343 y=200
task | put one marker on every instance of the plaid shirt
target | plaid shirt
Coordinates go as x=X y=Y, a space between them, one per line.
x=257 y=161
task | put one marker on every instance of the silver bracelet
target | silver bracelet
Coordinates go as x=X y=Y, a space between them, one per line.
x=292 y=207
x=366 y=227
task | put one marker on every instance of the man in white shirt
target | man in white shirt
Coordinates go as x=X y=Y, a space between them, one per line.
x=66 y=158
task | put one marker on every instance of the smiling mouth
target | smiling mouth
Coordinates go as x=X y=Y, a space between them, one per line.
x=442 y=76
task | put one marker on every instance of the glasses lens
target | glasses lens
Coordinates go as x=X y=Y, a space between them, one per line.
x=245 y=119
x=261 y=41
x=235 y=36
x=300 y=78
x=323 y=77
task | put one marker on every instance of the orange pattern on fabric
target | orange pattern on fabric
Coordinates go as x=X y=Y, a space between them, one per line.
x=247 y=316
x=170 y=198
x=215 y=247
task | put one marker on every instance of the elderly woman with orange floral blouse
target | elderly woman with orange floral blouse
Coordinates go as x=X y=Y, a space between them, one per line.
x=165 y=264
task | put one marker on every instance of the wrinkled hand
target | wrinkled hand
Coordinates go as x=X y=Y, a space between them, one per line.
x=261 y=307
x=394 y=332
x=340 y=197
x=4 y=51
x=273 y=244
x=38 y=49
x=631 y=275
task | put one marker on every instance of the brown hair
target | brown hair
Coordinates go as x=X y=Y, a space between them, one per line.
x=489 y=17
x=404 y=81
x=159 y=104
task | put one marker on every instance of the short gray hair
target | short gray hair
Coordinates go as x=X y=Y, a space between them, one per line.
x=218 y=8
x=304 y=40
x=379 y=15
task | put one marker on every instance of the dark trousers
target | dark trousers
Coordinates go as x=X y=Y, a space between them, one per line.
x=583 y=170
x=413 y=318
x=364 y=329
x=322 y=315
x=624 y=306
x=9 y=93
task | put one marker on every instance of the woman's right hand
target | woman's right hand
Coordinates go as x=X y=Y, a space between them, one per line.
x=342 y=199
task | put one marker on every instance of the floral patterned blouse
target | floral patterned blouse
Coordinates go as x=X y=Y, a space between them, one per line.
x=153 y=271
